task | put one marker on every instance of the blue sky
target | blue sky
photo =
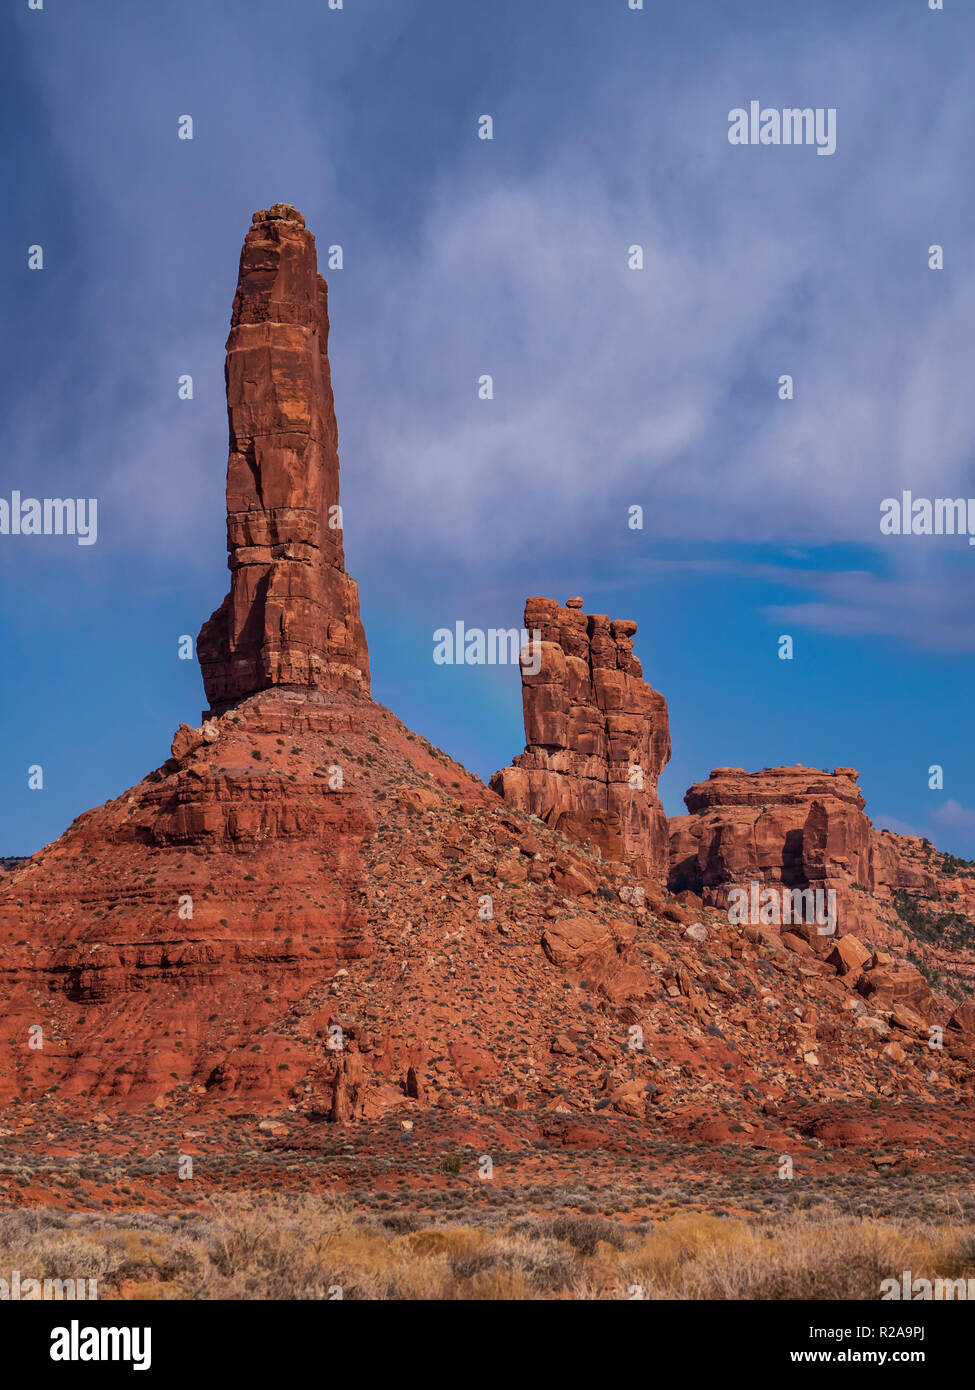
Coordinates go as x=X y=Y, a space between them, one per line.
x=509 y=257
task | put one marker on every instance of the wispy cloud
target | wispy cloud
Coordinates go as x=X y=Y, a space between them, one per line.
x=612 y=387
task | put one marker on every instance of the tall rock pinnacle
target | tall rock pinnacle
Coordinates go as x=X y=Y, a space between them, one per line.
x=292 y=615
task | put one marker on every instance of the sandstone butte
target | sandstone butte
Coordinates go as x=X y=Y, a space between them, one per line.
x=310 y=912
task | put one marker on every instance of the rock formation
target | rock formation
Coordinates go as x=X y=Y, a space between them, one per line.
x=597 y=736
x=308 y=910
x=799 y=828
x=292 y=615
x=794 y=827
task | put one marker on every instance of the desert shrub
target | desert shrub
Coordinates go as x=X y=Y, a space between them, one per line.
x=805 y=1256
x=584 y=1233
x=264 y=1246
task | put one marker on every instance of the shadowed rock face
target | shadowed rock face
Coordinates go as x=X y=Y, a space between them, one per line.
x=597 y=737
x=292 y=615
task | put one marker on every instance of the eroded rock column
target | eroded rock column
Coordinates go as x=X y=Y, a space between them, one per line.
x=292 y=615
x=597 y=736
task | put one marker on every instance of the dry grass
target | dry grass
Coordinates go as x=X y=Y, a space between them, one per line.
x=259 y=1246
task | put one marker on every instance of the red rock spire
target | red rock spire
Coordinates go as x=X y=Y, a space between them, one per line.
x=292 y=615
x=597 y=737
